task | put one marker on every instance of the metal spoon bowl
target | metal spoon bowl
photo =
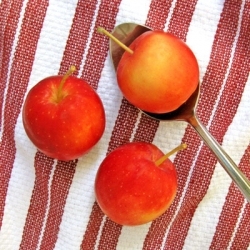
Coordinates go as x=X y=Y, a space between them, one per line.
x=127 y=33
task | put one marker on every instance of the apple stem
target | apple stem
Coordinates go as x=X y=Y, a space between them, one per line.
x=166 y=156
x=106 y=33
x=70 y=71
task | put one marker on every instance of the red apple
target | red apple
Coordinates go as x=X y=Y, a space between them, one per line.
x=161 y=73
x=132 y=187
x=63 y=116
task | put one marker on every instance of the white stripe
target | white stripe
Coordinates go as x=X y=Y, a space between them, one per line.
x=52 y=42
x=10 y=63
x=133 y=11
x=132 y=237
x=86 y=50
x=201 y=32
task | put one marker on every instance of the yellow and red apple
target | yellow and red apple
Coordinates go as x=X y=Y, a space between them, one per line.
x=131 y=188
x=160 y=74
x=63 y=116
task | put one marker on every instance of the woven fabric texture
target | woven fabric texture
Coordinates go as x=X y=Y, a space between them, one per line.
x=50 y=204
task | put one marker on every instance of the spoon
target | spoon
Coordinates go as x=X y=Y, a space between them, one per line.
x=126 y=33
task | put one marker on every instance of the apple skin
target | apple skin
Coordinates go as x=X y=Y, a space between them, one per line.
x=130 y=189
x=160 y=75
x=68 y=128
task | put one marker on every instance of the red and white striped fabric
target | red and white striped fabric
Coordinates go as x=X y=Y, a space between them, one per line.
x=49 y=204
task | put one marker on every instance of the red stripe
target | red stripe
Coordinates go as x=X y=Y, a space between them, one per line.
x=228 y=220
x=184 y=159
x=230 y=213
x=146 y=129
x=9 y=15
x=98 y=50
x=38 y=204
x=179 y=23
x=28 y=38
x=242 y=237
x=76 y=44
x=59 y=191
x=93 y=227
x=159 y=10
x=225 y=113
x=4 y=11
x=219 y=58
x=124 y=125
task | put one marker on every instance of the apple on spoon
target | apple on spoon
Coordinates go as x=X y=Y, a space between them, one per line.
x=185 y=112
x=63 y=116
x=158 y=72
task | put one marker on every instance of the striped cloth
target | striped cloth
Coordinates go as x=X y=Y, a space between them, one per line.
x=49 y=204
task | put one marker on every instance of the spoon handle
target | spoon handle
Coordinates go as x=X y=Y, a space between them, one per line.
x=226 y=162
